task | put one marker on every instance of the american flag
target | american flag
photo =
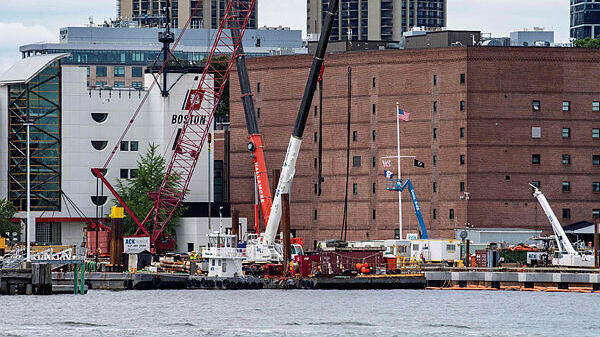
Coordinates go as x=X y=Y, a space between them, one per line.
x=403 y=115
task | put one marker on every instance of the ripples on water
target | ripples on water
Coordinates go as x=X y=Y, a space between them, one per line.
x=302 y=313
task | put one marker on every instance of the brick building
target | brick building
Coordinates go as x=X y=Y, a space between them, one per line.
x=486 y=122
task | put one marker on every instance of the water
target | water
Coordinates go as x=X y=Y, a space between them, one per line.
x=302 y=313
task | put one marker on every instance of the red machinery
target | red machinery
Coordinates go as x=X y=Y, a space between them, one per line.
x=193 y=136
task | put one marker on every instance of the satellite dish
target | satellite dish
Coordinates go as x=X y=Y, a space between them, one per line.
x=463 y=235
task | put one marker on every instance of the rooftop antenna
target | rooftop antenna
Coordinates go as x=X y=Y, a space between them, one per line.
x=166 y=38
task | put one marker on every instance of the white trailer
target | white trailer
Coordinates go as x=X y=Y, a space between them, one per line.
x=436 y=251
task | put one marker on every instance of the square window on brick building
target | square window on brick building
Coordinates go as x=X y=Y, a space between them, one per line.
x=536 y=159
x=434 y=213
x=463 y=78
x=596 y=133
x=434 y=106
x=374 y=214
x=566 y=106
x=434 y=132
x=355 y=188
x=462 y=159
x=316 y=110
x=462 y=105
x=316 y=137
x=462 y=132
x=119 y=71
x=434 y=79
x=451 y=215
x=596 y=160
x=566 y=133
x=596 y=187
x=354 y=136
x=315 y=163
x=462 y=186
x=315 y=215
x=374 y=161
x=374 y=108
x=434 y=160
x=566 y=186
x=136 y=72
x=374 y=135
x=316 y=189
x=536 y=183
x=257 y=112
x=536 y=105
x=356 y=160
x=434 y=187
x=566 y=213
x=566 y=159
x=374 y=187
x=374 y=82
x=536 y=132
x=507 y=178
x=596 y=106
x=258 y=87
x=100 y=71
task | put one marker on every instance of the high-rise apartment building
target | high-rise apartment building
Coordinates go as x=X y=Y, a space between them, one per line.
x=149 y=13
x=377 y=19
x=585 y=19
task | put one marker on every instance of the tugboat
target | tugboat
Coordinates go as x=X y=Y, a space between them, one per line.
x=224 y=258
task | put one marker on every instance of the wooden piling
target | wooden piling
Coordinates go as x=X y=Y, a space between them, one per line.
x=116 y=243
x=285 y=228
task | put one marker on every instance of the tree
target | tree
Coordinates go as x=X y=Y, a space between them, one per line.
x=150 y=172
x=587 y=43
x=7 y=212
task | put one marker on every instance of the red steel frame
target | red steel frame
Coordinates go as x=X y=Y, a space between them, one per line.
x=193 y=136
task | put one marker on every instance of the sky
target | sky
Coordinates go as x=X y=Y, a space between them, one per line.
x=30 y=21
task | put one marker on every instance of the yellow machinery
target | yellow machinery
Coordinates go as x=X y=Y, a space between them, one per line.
x=2 y=245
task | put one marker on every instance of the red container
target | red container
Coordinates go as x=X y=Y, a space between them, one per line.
x=103 y=243
x=344 y=260
x=306 y=264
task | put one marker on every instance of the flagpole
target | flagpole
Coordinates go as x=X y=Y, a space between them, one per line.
x=399 y=172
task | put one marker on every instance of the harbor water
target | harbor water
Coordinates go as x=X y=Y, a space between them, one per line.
x=302 y=313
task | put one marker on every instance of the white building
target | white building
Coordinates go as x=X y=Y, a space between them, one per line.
x=74 y=129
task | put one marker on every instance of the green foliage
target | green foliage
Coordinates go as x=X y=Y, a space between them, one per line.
x=151 y=170
x=7 y=212
x=587 y=43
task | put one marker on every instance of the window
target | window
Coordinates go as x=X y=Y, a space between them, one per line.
x=354 y=136
x=355 y=188
x=536 y=159
x=136 y=72
x=434 y=133
x=434 y=79
x=316 y=110
x=124 y=173
x=536 y=132
x=257 y=112
x=536 y=106
x=462 y=105
x=374 y=135
x=463 y=78
x=566 y=133
x=434 y=160
x=462 y=186
x=374 y=82
x=434 y=213
x=462 y=159
x=119 y=84
x=566 y=186
x=258 y=87
x=596 y=160
x=566 y=159
x=374 y=108
x=356 y=161
x=596 y=133
x=536 y=183
x=124 y=146
x=315 y=215
x=119 y=71
x=566 y=213
x=315 y=163
x=596 y=186
x=132 y=173
x=99 y=144
x=48 y=233
x=434 y=106
x=100 y=83
x=137 y=85
x=374 y=187
x=316 y=189
x=595 y=213
x=87 y=71
x=100 y=71
x=595 y=106
x=451 y=215
x=374 y=161
x=99 y=117
x=566 y=106
x=133 y=145
x=315 y=137
x=507 y=178
x=462 y=132
x=434 y=187
x=374 y=214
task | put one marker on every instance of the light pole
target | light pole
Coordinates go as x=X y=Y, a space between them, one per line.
x=28 y=125
x=400 y=178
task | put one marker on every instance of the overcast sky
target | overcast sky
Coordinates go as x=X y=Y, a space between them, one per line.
x=29 y=21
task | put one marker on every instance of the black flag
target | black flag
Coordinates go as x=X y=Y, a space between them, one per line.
x=418 y=163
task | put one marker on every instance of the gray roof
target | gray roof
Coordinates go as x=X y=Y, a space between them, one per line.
x=27 y=68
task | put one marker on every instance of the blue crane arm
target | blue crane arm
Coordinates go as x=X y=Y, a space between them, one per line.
x=399 y=186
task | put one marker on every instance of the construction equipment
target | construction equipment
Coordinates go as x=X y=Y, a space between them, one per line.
x=265 y=248
x=399 y=185
x=566 y=255
x=203 y=102
x=255 y=144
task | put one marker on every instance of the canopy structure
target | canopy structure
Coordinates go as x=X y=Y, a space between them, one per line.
x=26 y=69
